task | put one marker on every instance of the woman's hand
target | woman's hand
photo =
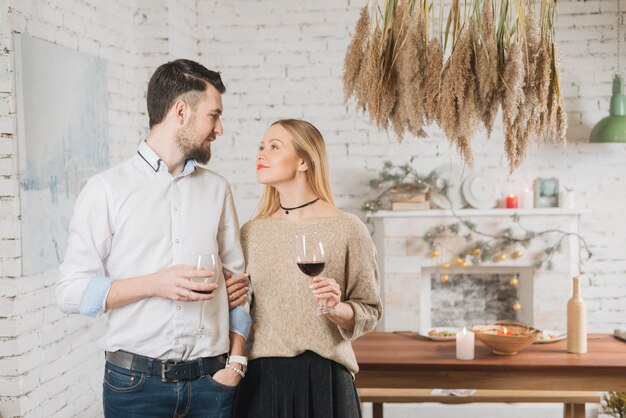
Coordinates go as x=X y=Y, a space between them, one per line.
x=326 y=290
x=237 y=288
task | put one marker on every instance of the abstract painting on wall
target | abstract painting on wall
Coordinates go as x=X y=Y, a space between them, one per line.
x=62 y=117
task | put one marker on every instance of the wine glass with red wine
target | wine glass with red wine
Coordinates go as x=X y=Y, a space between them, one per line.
x=205 y=261
x=311 y=260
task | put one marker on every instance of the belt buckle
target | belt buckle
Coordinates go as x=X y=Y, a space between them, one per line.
x=165 y=369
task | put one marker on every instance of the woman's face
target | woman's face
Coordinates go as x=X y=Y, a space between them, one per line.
x=277 y=161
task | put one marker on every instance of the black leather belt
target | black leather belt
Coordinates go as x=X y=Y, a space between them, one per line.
x=170 y=371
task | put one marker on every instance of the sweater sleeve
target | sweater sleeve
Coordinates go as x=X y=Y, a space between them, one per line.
x=362 y=282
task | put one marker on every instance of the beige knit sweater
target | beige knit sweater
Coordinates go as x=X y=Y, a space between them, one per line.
x=284 y=323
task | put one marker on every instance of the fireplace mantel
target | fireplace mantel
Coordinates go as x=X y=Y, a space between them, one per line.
x=406 y=268
x=442 y=213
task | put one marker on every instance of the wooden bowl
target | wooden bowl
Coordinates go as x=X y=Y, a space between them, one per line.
x=518 y=336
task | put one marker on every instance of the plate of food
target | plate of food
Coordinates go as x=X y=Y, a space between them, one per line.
x=439 y=333
x=550 y=336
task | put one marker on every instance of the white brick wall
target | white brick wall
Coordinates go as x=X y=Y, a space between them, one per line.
x=50 y=364
x=279 y=58
x=295 y=56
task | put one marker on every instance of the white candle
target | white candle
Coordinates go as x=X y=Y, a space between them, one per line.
x=527 y=199
x=465 y=345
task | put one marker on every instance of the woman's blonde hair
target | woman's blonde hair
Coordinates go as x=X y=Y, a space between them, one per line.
x=309 y=145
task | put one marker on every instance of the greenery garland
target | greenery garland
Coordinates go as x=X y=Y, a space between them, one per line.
x=481 y=246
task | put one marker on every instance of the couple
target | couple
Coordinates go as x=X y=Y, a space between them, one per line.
x=133 y=229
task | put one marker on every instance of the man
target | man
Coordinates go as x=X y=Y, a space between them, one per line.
x=131 y=236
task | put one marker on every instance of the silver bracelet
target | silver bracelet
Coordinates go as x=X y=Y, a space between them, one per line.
x=239 y=371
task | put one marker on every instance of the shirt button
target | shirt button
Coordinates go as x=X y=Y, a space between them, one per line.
x=175 y=208
x=176 y=342
x=177 y=241
x=178 y=308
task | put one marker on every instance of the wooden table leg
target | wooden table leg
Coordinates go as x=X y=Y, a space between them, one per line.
x=567 y=410
x=574 y=410
x=578 y=410
x=377 y=410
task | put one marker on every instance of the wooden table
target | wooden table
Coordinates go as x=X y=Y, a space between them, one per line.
x=406 y=360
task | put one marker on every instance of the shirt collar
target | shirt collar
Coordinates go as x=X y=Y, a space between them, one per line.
x=151 y=158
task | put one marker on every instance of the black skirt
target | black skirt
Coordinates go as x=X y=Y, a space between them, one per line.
x=305 y=386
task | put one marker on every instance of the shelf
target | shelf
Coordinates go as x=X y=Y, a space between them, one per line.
x=441 y=213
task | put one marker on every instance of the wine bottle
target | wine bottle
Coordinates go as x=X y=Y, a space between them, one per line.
x=576 y=321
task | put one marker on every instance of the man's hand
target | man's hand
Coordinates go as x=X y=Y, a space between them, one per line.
x=176 y=283
x=227 y=377
x=237 y=287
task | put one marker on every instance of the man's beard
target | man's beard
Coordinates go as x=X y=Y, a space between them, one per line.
x=199 y=152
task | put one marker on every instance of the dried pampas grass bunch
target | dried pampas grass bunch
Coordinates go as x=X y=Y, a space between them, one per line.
x=411 y=64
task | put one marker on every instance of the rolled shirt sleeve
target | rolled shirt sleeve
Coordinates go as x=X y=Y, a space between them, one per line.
x=83 y=285
x=232 y=258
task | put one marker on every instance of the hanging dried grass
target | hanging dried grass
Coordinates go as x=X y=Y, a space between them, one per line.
x=432 y=81
x=355 y=54
x=415 y=75
x=561 y=125
x=561 y=118
x=533 y=39
x=556 y=119
x=543 y=80
x=513 y=100
x=398 y=75
x=487 y=67
x=527 y=120
x=369 y=85
x=388 y=99
x=396 y=113
x=458 y=115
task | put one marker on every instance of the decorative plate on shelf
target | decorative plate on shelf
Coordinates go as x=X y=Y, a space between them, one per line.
x=551 y=336
x=453 y=175
x=439 y=333
x=480 y=191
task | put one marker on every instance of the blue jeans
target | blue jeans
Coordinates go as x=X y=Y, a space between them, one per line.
x=129 y=394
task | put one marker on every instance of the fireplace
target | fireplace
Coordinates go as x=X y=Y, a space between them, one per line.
x=475 y=298
x=413 y=294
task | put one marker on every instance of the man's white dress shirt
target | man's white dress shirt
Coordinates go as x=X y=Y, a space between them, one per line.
x=135 y=219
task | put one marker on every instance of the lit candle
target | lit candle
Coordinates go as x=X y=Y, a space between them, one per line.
x=511 y=201
x=528 y=199
x=465 y=345
x=505 y=332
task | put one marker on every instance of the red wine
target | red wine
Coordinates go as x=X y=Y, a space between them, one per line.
x=202 y=292
x=312 y=268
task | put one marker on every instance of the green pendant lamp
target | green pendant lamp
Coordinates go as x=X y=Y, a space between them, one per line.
x=613 y=127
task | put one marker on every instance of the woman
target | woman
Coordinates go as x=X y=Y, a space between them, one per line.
x=302 y=364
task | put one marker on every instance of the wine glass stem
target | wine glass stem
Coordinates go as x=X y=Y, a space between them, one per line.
x=201 y=324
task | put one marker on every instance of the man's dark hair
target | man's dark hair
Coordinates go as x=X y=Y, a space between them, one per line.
x=173 y=79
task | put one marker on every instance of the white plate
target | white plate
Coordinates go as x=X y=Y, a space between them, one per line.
x=453 y=174
x=560 y=335
x=424 y=333
x=480 y=191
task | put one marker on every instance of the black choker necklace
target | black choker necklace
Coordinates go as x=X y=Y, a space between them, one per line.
x=297 y=207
